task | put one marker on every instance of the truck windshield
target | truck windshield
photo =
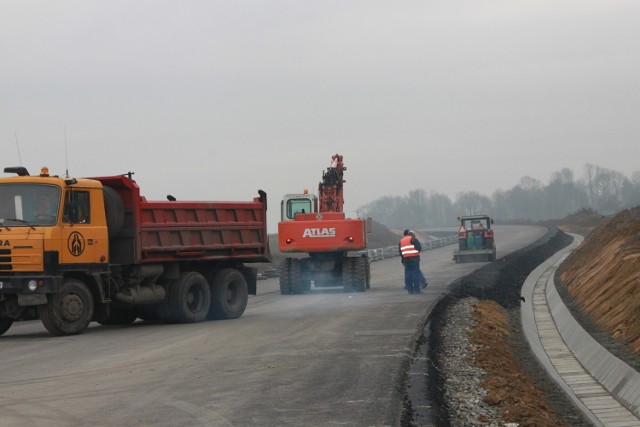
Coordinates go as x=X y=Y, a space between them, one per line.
x=24 y=205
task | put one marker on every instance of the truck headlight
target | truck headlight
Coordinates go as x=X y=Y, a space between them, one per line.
x=32 y=285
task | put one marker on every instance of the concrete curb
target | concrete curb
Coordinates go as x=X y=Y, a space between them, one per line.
x=546 y=310
x=620 y=379
x=530 y=328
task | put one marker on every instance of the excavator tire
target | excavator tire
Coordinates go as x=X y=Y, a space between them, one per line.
x=283 y=278
x=368 y=271
x=291 y=277
x=296 y=285
x=354 y=276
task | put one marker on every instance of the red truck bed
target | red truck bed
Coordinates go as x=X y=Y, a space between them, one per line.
x=160 y=231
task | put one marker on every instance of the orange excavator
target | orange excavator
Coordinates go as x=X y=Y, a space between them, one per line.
x=317 y=226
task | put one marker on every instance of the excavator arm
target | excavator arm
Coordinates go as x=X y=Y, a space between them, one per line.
x=330 y=189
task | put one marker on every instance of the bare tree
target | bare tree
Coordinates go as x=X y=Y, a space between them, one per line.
x=605 y=189
x=563 y=196
x=439 y=210
x=472 y=202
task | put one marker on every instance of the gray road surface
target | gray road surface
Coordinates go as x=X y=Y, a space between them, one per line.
x=319 y=359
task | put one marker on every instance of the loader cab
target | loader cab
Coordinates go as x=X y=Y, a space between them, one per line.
x=293 y=204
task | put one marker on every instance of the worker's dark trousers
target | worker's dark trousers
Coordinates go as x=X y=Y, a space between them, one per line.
x=412 y=276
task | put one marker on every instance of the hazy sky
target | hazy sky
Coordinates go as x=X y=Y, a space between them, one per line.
x=213 y=100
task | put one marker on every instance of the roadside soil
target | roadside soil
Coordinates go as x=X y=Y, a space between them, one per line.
x=508 y=386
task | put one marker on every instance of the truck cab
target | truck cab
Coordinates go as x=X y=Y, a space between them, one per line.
x=66 y=215
x=50 y=226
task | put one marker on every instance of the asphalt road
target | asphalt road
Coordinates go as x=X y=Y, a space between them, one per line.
x=319 y=359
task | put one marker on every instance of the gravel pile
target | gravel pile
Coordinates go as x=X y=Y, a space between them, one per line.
x=463 y=395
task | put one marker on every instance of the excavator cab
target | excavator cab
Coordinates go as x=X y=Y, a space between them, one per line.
x=293 y=204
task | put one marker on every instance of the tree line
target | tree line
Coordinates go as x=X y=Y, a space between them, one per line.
x=603 y=190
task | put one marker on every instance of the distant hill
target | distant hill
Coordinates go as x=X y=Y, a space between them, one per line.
x=381 y=236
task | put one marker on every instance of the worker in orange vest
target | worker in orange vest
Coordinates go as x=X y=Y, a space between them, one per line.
x=410 y=249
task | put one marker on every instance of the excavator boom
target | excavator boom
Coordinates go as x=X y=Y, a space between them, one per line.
x=330 y=189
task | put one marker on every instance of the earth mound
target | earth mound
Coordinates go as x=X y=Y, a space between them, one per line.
x=603 y=276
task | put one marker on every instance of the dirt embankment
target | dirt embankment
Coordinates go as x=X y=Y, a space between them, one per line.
x=603 y=275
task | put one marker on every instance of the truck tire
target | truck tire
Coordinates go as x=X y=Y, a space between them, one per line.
x=229 y=295
x=5 y=324
x=189 y=298
x=69 y=311
x=114 y=210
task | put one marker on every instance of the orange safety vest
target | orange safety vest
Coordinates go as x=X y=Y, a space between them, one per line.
x=406 y=247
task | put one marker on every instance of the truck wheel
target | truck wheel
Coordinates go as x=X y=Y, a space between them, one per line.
x=114 y=210
x=5 y=324
x=69 y=311
x=229 y=294
x=189 y=298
